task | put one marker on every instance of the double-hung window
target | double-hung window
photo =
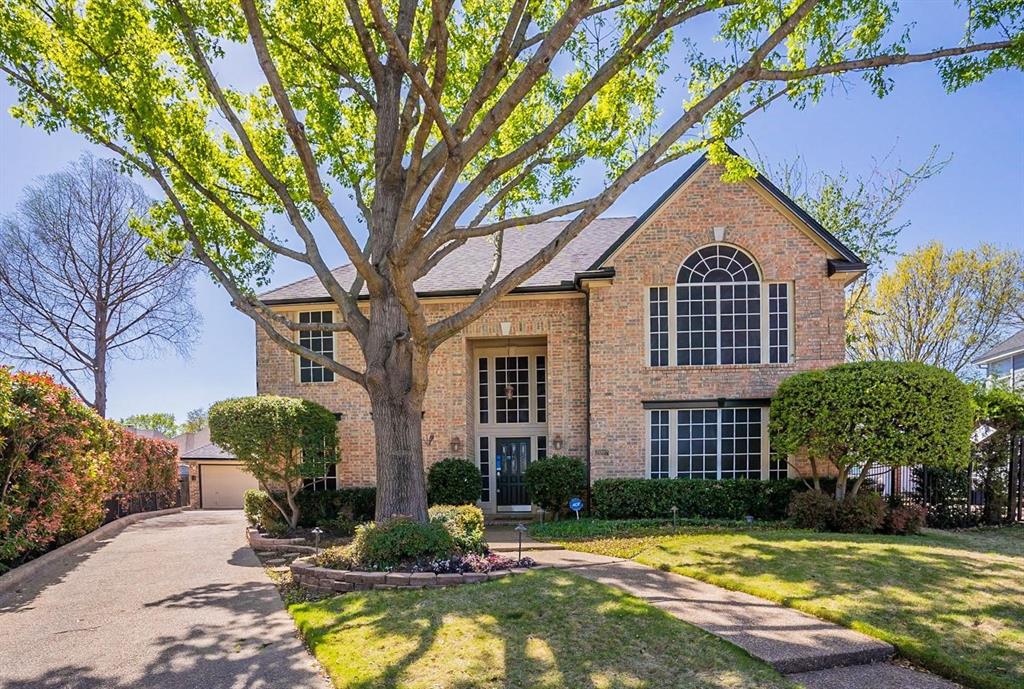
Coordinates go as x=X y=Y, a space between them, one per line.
x=319 y=341
x=720 y=312
x=710 y=443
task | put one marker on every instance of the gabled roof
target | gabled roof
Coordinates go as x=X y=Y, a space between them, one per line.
x=463 y=271
x=1008 y=347
x=208 y=451
x=848 y=262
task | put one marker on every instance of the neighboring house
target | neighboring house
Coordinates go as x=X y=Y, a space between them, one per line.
x=216 y=479
x=650 y=347
x=1004 y=363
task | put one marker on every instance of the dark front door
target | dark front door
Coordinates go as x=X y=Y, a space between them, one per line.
x=511 y=457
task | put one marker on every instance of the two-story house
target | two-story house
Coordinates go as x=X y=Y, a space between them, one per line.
x=650 y=346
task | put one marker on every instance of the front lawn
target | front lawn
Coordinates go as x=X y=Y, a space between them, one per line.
x=546 y=629
x=951 y=601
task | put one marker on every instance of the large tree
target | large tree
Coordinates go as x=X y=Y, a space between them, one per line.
x=77 y=286
x=940 y=306
x=444 y=122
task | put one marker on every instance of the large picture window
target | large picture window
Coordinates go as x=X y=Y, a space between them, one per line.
x=709 y=443
x=722 y=313
x=319 y=341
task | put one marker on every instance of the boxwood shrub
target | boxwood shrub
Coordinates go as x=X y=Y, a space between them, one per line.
x=400 y=542
x=727 y=499
x=453 y=481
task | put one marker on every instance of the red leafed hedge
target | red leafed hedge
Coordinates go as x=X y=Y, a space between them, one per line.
x=59 y=463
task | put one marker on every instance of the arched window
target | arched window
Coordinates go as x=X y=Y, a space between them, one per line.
x=718 y=308
x=718 y=315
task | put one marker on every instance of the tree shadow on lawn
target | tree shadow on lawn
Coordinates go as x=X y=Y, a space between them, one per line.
x=544 y=629
x=959 y=610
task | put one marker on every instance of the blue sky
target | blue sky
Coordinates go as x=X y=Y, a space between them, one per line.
x=978 y=197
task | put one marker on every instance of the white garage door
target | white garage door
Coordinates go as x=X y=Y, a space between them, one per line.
x=223 y=486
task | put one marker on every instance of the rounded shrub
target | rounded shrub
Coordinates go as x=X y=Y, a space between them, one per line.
x=905 y=520
x=812 y=510
x=860 y=513
x=553 y=480
x=465 y=524
x=453 y=481
x=400 y=541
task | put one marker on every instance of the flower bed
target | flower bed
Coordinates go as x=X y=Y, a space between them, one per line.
x=343 y=580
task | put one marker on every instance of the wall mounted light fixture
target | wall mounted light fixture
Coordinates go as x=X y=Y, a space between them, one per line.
x=456 y=445
x=557 y=441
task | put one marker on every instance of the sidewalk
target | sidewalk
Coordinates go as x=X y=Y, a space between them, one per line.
x=813 y=652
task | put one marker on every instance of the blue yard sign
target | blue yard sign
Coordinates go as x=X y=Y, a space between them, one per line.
x=576 y=504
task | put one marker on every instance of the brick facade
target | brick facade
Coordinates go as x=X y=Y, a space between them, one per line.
x=620 y=378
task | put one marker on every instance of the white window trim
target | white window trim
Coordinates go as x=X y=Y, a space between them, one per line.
x=298 y=357
x=765 y=327
x=673 y=444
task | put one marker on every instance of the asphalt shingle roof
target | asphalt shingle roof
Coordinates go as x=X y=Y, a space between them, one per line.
x=1014 y=343
x=208 y=451
x=466 y=268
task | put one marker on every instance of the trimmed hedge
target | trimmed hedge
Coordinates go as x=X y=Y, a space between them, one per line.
x=334 y=510
x=552 y=481
x=399 y=541
x=453 y=481
x=624 y=498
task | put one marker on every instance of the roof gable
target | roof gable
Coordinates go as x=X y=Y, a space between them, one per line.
x=1011 y=345
x=463 y=271
x=846 y=260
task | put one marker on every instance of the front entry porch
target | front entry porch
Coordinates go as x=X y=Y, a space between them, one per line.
x=510 y=420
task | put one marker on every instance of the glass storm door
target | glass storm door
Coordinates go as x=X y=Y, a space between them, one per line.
x=511 y=457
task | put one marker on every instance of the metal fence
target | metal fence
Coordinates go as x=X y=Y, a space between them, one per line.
x=122 y=504
x=984 y=493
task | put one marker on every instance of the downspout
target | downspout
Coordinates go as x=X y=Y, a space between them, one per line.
x=586 y=377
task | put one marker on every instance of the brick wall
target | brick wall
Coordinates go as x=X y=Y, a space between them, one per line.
x=451 y=393
x=620 y=377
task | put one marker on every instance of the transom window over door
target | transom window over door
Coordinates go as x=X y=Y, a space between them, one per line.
x=722 y=313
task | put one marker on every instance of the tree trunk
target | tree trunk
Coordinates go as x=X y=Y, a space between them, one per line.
x=396 y=382
x=841 y=484
x=99 y=371
x=293 y=507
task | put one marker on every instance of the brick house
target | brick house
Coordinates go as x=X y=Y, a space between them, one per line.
x=650 y=346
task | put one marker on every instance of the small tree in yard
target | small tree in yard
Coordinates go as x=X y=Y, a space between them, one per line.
x=854 y=416
x=279 y=440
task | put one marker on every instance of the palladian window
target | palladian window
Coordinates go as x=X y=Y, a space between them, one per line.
x=723 y=312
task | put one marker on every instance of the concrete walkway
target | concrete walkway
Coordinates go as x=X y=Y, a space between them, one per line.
x=813 y=652
x=173 y=602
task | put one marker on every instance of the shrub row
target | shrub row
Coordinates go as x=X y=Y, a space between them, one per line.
x=454 y=532
x=337 y=511
x=726 y=499
x=866 y=512
x=61 y=462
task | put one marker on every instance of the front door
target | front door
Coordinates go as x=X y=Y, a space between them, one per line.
x=512 y=455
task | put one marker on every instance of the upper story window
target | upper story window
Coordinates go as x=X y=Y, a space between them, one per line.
x=319 y=341
x=722 y=313
x=1008 y=372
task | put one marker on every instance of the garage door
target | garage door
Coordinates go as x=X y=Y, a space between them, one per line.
x=223 y=486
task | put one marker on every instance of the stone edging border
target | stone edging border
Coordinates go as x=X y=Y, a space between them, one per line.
x=341 y=580
x=258 y=541
x=17 y=576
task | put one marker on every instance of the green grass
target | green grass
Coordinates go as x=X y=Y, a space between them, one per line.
x=951 y=601
x=577 y=529
x=545 y=630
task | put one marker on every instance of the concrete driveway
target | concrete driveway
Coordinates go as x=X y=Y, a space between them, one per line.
x=176 y=601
